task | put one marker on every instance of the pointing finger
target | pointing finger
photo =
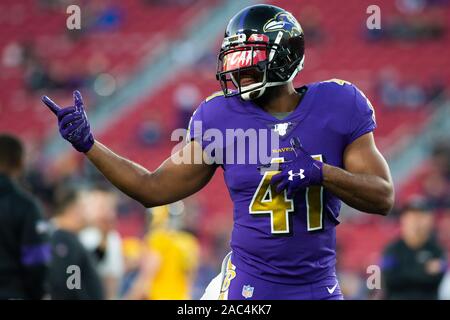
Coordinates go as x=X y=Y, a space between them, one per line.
x=50 y=104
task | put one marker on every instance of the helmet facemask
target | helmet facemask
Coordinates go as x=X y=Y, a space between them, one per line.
x=268 y=63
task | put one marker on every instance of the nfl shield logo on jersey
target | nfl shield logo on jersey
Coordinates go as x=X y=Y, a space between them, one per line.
x=282 y=128
x=247 y=291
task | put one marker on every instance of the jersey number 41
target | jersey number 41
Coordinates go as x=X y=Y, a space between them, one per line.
x=266 y=201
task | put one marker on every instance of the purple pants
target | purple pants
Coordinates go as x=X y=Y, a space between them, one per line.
x=239 y=285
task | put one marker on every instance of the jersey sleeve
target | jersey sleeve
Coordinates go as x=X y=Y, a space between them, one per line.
x=362 y=118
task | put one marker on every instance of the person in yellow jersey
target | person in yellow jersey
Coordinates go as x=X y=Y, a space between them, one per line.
x=139 y=269
x=175 y=254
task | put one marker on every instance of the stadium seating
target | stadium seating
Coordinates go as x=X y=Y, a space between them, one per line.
x=115 y=45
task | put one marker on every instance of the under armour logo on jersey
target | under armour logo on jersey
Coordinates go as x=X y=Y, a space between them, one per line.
x=282 y=128
x=299 y=174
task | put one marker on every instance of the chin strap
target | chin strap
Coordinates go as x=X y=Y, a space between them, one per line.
x=252 y=94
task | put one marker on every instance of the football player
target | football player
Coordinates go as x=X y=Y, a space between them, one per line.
x=176 y=256
x=283 y=240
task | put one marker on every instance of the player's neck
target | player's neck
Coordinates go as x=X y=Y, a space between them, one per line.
x=279 y=99
x=414 y=241
x=67 y=223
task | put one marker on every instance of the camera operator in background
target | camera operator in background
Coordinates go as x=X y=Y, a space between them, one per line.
x=414 y=264
x=24 y=246
x=69 y=256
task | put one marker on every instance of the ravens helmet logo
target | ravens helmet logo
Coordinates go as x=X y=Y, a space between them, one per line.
x=283 y=21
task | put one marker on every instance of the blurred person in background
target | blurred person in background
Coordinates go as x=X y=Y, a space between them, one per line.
x=441 y=158
x=132 y=249
x=24 y=246
x=102 y=238
x=150 y=130
x=414 y=265
x=435 y=181
x=69 y=219
x=175 y=255
x=140 y=266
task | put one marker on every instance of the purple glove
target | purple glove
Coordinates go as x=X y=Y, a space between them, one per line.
x=73 y=122
x=299 y=173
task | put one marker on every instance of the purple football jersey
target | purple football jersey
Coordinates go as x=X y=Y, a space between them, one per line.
x=275 y=238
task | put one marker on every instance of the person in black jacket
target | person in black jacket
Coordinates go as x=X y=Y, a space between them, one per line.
x=414 y=265
x=73 y=274
x=24 y=246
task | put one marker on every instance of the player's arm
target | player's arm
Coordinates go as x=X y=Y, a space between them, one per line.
x=170 y=182
x=365 y=183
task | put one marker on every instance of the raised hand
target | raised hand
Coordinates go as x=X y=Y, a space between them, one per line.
x=73 y=122
x=299 y=173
